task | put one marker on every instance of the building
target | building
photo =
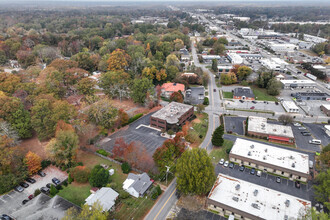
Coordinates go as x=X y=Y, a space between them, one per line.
x=209 y=58
x=312 y=96
x=234 y=58
x=327 y=129
x=241 y=18
x=244 y=93
x=245 y=200
x=172 y=116
x=298 y=84
x=168 y=89
x=325 y=109
x=280 y=161
x=271 y=65
x=105 y=196
x=290 y=107
x=250 y=56
x=195 y=95
x=280 y=77
x=184 y=54
x=225 y=68
x=259 y=127
x=137 y=184
x=282 y=48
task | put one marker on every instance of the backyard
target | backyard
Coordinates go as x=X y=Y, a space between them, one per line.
x=76 y=193
x=261 y=94
x=199 y=127
x=220 y=152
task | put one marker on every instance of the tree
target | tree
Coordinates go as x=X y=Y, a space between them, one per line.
x=285 y=118
x=140 y=89
x=200 y=108
x=33 y=162
x=228 y=78
x=119 y=148
x=9 y=82
x=86 y=86
x=217 y=136
x=81 y=174
x=53 y=191
x=176 y=97
x=312 y=214
x=223 y=40
x=215 y=65
x=325 y=156
x=115 y=83
x=243 y=72
x=125 y=167
x=87 y=213
x=172 y=60
x=322 y=190
x=99 y=176
x=118 y=60
x=6 y=130
x=103 y=113
x=274 y=87
x=219 y=48
x=195 y=172
x=86 y=61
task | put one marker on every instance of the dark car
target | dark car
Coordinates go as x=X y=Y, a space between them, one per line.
x=19 y=189
x=41 y=173
x=31 y=197
x=24 y=184
x=231 y=165
x=44 y=190
x=24 y=201
x=6 y=217
x=241 y=101
x=253 y=171
x=214 y=90
x=56 y=181
x=49 y=185
x=242 y=168
x=305 y=133
x=254 y=102
x=276 y=103
x=278 y=179
x=30 y=180
x=297 y=184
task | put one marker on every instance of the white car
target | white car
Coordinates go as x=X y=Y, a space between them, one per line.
x=302 y=128
x=259 y=173
x=226 y=163
x=221 y=161
x=296 y=124
x=315 y=141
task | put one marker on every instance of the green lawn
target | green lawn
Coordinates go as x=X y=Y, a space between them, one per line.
x=75 y=193
x=198 y=133
x=220 y=152
x=227 y=95
x=261 y=94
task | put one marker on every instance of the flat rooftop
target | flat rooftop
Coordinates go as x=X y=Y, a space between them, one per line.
x=297 y=81
x=172 y=112
x=256 y=200
x=312 y=94
x=260 y=125
x=271 y=155
x=290 y=104
x=327 y=106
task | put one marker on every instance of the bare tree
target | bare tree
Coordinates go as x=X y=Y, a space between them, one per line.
x=286 y=119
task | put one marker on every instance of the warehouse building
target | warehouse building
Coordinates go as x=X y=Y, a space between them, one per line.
x=298 y=84
x=234 y=58
x=290 y=107
x=312 y=96
x=280 y=161
x=172 y=116
x=230 y=196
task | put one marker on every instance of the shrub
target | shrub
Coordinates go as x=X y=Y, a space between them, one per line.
x=134 y=118
x=102 y=152
x=65 y=183
x=123 y=194
x=70 y=179
x=159 y=190
x=206 y=101
x=125 y=167
x=99 y=176
x=170 y=132
x=45 y=163
x=59 y=187
x=36 y=192
x=244 y=83
x=80 y=174
x=80 y=164
x=154 y=196
x=53 y=191
x=112 y=185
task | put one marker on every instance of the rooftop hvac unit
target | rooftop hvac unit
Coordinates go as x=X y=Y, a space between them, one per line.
x=286 y=217
x=264 y=158
x=287 y=203
x=266 y=150
x=237 y=187
x=249 y=153
x=263 y=125
x=235 y=198
x=293 y=165
x=284 y=131
x=252 y=146
x=255 y=192
x=255 y=205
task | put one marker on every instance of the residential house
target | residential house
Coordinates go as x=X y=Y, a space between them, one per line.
x=137 y=184
x=105 y=196
x=168 y=88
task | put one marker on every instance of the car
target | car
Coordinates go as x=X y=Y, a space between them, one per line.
x=259 y=173
x=30 y=197
x=41 y=173
x=19 y=189
x=315 y=141
x=56 y=181
x=252 y=107
x=297 y=184
x=242 y=168
x=296 y=124
x=278 y=179
x=48 y=185
x=25 y=201
x=226 y=163
x=276 y=103
x=301 y=128
x=6 y=217
x=242 y=101
x=24 y=184
x=30 y=180
x=222 y=161
x=231 y=165
x=254 y=102
x=305 y=133
x=253 y=171
x=214 y=90
x=44 y=190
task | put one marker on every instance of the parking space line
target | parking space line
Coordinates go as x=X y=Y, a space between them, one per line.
x=3 y=200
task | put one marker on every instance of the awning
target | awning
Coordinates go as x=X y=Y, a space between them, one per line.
x=279 y=138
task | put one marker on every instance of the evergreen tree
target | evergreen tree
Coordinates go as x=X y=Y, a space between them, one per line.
x=217 y=137
x=215 y=65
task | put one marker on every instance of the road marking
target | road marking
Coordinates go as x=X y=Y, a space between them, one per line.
x=165 y=204
x=3 y=200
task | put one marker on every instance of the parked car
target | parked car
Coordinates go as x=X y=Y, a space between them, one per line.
x=222 y=161
x=30 y=180
x=214 y=90
x=44 y=190
x=278 y=179
x=296 y=124
x=56 y=181
x=315 y=141
x=226 y=164
x=254 y=102
x=242 y=168
x=24 y=201
x=297 y=184
x=6 y=217
x=301 y=128
x=30 y=197
x=49 y=185
x=24 y=184
x=231 y=165
x=276 y=103
x=41 y=173
x=253 y=171
x=259 y=173
x=19 y=189
x=305 y=133
x=241 y=101
x=252 y=107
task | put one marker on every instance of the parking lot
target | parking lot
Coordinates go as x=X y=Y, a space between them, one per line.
x=138 y=132
x=259 y=105
x=318 y=132
x=302 y=142
x=269 y=181
x=235 y=125
x=12 y=201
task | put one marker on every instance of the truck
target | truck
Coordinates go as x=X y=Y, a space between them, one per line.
x=310 y=76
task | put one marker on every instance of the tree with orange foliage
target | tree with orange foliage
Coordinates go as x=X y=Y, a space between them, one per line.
x=33 y=162
x=118 y=60
x=122 y=117
x=119 y=148
x=176 y=97
x=185 y=128
x=235 y=68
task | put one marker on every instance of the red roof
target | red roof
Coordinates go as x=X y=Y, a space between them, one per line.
x=279 y=138
x=173 y=87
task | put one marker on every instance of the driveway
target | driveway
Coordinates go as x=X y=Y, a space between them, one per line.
x=235 y=124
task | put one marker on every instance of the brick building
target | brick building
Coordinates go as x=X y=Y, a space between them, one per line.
x=244 y=93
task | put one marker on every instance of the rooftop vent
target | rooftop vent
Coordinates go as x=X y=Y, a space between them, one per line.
x=293 y=165
x=237 y=187
x=263 y=125
x=255 y=192
x=266 y=150
x=284 y=131
x=291 y=157
x=249 y=153
x=255 y=205
x=287 y=203
x=252 y=146
x=235 y=198
x=264 y=158
x=286 y=217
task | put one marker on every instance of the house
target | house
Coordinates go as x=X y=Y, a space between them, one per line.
x=195 y=95
x=137 y=184
x=184 y=54
x=244 y=93
x=105 y=196
x=168 y=88
x=279 y=77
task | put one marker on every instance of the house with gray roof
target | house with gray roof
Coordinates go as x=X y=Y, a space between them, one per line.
x=105 y=196
x=244 y=93
x=137 y=184
x=195 y=95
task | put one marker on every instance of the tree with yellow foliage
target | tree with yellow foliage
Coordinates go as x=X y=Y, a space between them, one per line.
x=33 y=162
x=118 y=60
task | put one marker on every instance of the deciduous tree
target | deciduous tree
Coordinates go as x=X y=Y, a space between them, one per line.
x=103 y=113
x=243 y=72
x=118 y=60
x=99 y=176
x=86 y=86
x=176 y=97
x=115 y=83
x=274 y=87
x=87 y=213
x=140 y=89
x=33 y=162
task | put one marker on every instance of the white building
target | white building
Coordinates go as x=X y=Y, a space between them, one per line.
x=245 y=200
x=234 y=58
x=241 y=18
x=271 y=65
x=105 y=196
x=281 y=48
x=290 y=107
x=298 y=84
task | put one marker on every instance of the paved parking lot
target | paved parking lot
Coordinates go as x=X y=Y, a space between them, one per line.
x=269 y=181
x=149 y=137
x=302 y=142
x=260 y=105
x=185 y=214
x=318 y=132
x=235 y=124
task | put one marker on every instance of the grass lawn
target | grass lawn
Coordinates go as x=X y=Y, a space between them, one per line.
x=261 y=94
x=220 y=152
x=75 y=193
x=198 y=133
x=227 y=95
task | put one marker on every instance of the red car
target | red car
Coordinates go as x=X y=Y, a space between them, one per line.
x=252 y=107
x=30 y=197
